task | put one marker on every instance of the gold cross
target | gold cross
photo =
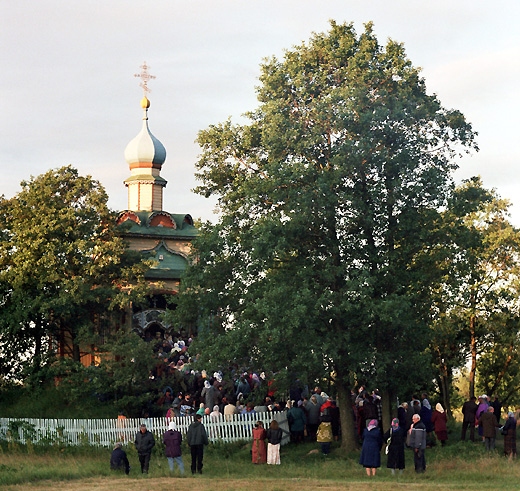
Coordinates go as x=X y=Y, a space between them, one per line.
x=145 y=77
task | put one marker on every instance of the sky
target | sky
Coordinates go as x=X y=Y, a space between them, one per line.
x=68 y=95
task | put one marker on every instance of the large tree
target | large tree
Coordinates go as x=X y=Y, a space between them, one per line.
x=475 y=302
x=62 y=267
x=326 y=196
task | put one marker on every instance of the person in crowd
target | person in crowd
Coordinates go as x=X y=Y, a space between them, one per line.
x=121 y=425
x=440 y=421
x=119 y=460
x=360 y=418
x=259 y=449
x=497 y=407
x=401 y=414
x=209 y=394
x=509 y=432
x=197 y=438
x=297 y=421
x=395 y=438
x=215 y=415
x=426 y=416
x=319 y=395
x=489 y=428
x=187 y=408
x=243 y=386
x=274 y=438
x=369 y=411
x=144 y=443
x=335 y=420
x=376 y=397
x=417 y=443
x=172 y=440
x=324 y=432
x=469 y=411
x=229 y=410
x=166 y=398
x=360 y=397
x=312 y=410
x=481 y=409
x=370 y=457
x=410 y=411
x=176 y=404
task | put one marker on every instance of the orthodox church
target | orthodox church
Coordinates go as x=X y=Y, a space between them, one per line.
x=158 y=234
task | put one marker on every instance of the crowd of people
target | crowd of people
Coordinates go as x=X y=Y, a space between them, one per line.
x=312 y=416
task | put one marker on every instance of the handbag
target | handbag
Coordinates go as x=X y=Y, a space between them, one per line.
x=388 y=442
x=503 y=430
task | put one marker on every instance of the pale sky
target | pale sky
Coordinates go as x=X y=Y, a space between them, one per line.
x=68 y=94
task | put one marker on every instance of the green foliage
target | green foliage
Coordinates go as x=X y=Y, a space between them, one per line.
x=126 y=363
x=326 y=197
x=61 y=265
x=475 y=293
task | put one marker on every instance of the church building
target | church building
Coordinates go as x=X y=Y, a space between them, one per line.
x=160 y=235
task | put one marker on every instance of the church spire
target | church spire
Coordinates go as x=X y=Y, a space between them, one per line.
x=145 y=155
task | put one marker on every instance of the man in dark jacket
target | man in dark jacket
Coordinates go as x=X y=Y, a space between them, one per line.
x=119 y=460
x=144 y=442
x=418 y=443
x=197 y=438
x=172 y=441
x=469 y=410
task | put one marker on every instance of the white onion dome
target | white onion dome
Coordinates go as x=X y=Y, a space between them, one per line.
x=145 y=148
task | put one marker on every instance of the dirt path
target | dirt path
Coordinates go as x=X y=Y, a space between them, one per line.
x=203 y=484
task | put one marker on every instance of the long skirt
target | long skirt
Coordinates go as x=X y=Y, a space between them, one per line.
x=510 y=444
x=259 y=453
x=273 y=453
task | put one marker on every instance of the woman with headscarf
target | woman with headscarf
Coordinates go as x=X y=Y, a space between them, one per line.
x=440 y=420
x=396 y=439
x=509 y=432
x=370 y=457
x=324 y=433
x=215 y=417
x=172 y=440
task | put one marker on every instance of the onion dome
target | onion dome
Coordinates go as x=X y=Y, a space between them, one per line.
x=145 y=148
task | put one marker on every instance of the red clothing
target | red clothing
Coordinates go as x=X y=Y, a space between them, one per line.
x=259 y=448
x=439 y=421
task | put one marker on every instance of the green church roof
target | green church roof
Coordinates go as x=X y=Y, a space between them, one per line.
x=135 y=223
x=169 y=264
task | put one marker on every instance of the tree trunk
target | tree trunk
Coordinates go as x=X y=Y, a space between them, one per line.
x=389 y=410
x=76 y=354
x=473 y=351
x=349 y=441
x=444 y=386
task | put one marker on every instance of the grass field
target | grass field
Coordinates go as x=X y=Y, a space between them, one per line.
x=459 y=465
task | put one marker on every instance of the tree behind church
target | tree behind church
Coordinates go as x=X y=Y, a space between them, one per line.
x=325 y=198
x=62 y=268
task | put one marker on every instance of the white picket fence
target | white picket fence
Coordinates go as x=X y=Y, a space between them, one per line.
x=105 y=432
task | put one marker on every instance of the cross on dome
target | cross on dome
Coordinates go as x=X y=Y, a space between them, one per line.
x=145 y=77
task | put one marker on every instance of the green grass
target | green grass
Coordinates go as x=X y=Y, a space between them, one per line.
x=459 y=465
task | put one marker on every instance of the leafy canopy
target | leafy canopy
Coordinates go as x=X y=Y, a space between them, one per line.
x=61 y=264
x=326 y=196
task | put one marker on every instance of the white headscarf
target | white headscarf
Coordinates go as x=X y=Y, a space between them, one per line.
x=172 y=426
